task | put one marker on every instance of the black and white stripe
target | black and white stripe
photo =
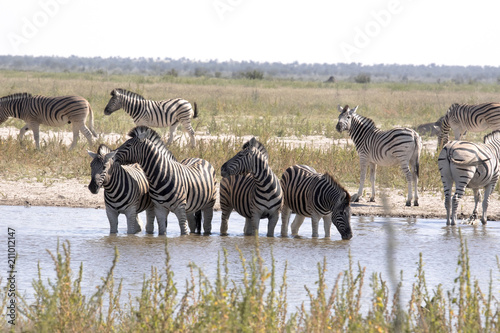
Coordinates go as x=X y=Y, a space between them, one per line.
x=464 y=117
x=250 y=187
x=181 y=187
x=376 y=147
x=308 y=193
x=144 y=112
x=126 y=190
x=51 y=111
x=472 y=165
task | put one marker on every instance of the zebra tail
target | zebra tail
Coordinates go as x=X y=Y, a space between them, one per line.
x=195 y=110
x=418 y=142
x=91 y=122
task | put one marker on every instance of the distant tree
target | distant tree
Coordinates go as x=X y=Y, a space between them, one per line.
x=331 y=79
x=362 y=78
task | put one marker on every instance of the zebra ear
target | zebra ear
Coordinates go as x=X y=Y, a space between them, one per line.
x=109 y=156
x=340 y=108
x=354 y=110
x=92 y=154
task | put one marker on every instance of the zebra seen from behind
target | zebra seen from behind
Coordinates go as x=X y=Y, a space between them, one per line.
x=308 y=193
x=52 y=111
x=472 y=165
x=465 y=117
x=184 y=188
x=126 y=190
x=144 y=112
x=250 y=187
x=376 y=147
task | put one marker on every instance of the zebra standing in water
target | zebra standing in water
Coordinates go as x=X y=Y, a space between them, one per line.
x=150 y=113
x=308 y=193
x=181 y=187
x=464 y=117
x=126 y=190
x=376 y=147
x=51 y=111
x=251 y=188
x=472 y=165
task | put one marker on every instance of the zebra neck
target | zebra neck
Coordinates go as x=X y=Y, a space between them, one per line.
x=114 y=172
x=361 y=127
x=261 y=172
x=16 y=109
x=134 y=107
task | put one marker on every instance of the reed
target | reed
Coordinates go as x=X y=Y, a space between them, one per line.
x=256 y=301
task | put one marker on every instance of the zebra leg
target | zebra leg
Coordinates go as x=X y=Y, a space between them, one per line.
x=315 y=225
x=150 y=218
x=191 y=218
x=86 y=132
x=36 y=134
x=297 y=222
x=271 y=224
x=477 y=198
x=327 y=219
x=226 y=212
x=459 y=192
x=171 y=133
x=180 y=212
x=409 y=177
x=373 y=172
x=248 y=229
x=285 y=217
x=161 y=218
x=487 y=191
x=189 y=129
x=363 y=166
x=133 y=221
x=76 y=136
x=208 y=214
x=415 y=185
x=113 y=220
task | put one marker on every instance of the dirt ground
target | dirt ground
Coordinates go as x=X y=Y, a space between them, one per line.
x=74 y=192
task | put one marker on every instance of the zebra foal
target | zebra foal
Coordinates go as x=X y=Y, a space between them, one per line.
x=51 y=111
x=126 y=190
x=184 y=188
x=250 y=187
x=472 y=165
x=308 y=193
x=464 y=117
x=376 y=147
x=144 y=112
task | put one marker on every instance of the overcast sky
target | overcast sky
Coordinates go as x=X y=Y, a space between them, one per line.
x=369 y=32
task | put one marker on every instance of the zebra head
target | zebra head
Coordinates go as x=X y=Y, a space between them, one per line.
x=244 y=161
x=115 y=103
x=345 y=117
x=443 y=129
x=99 y=167
x=341 y=208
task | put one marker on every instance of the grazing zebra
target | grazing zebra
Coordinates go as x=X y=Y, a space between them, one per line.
x=308 y=193
x=376 y=147
x=126 y=190
x=464 y=117
x=181 y=187
x=51 y=111
x=150 y=113
x=472 y=165
x=251 y=188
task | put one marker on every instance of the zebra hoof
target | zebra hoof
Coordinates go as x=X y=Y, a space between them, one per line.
x=372 y=199
x=207 y=233
x=415 y=203
x=355 y=198
x=408 y=204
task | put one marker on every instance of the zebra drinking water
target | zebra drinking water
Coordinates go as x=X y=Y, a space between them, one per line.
x=181 y=187
x=376 y=147
x=126 y=190
x=308 y=193
x=51 y=111
x=464 y=117
x=251 y=188
x=472 y=165
x=144 y=112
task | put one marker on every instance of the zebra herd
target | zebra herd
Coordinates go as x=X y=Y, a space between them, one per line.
x=143 y=175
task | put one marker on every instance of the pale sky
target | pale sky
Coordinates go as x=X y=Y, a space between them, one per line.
x=313 y=31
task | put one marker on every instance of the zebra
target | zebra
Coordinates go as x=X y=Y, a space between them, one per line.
x=377 y=147
x=51 y=111
x=465 y=117
x=184 y=187
x=308 y=193
x=250 y=187
x=126 y=190
x=150 y=113
x=472 y=165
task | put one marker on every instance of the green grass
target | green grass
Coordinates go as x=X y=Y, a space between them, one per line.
x=255 y=301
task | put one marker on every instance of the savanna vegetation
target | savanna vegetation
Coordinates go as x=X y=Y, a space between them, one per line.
x=269 y=109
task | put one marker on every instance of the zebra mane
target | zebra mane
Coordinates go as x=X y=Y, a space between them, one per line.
x=366 y=121
x=493 y=136
x=15 y=97
x=254 y=143
x=151 y=135
x=103 y=150
x=346 y=107
x=128 y=93
x=332 y=181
